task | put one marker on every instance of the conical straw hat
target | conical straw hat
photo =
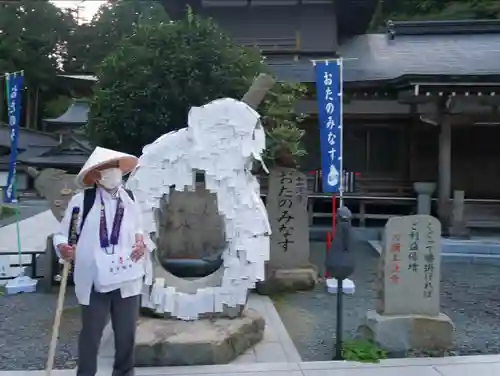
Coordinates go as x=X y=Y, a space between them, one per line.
x=100 y=156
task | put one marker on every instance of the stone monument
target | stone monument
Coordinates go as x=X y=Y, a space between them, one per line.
x=407 y=315
x=288 y=268
x=58 y=187
x=209 y=232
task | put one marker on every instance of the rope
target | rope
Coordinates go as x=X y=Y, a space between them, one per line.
x=7 y=74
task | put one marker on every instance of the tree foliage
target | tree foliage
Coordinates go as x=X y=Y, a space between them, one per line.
x=33 y=37
x=435 y=10
x=150 y=81
x=92 y=42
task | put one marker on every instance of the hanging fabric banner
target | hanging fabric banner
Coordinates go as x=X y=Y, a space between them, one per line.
x=14 y=86
x=328 y=76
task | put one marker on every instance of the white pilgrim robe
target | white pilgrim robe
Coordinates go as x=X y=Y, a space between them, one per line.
x=85 y=274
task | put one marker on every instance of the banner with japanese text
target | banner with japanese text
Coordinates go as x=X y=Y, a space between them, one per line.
x=328 y=76
x=14 y=86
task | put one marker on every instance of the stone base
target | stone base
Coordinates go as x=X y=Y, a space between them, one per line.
x=459 y=231
x=161 y=342
x=288 y=280
x=400 y=333
x=227 y=312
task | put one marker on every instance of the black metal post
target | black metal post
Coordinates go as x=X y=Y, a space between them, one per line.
x=340 y=265
x=338 y=335
x=33 y=265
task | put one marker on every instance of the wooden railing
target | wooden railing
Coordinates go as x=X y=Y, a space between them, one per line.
x=482 y=214
x=270 y=44
x=384 y=187
x=372 y=199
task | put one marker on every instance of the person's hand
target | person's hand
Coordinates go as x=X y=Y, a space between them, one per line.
x=66 y=251
x=138 y=249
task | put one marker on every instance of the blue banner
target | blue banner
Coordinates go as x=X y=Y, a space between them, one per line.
x=329 y=93
x=14 y=83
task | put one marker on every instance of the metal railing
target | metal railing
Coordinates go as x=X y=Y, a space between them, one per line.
x=32 y=264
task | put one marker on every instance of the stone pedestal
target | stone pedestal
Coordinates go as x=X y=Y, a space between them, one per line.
x=400 y=333
x=424 y=191
x=288 y=280
x=161 y=342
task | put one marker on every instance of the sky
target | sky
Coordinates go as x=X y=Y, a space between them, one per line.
x=87 y=7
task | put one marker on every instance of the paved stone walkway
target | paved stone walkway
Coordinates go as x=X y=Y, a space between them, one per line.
x=483 y=365
x=275 y=347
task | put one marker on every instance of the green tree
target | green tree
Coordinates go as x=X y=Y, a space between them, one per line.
x=435 y=10
x=150 y=81
x=33 y=36
x=91 y=42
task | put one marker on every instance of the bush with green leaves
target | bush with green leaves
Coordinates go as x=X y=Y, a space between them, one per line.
x=362 y=351
x=152 y=78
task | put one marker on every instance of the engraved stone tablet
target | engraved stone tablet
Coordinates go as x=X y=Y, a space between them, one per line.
x=287 y=209
x=409 y=270
x=190 y=228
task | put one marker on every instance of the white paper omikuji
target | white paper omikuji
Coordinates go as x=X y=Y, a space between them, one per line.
x=222 y=139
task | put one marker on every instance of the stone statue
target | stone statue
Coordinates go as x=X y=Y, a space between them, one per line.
x=57 y=186
x=202 y=207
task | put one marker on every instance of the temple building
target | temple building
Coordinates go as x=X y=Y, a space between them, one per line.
x=61 y=144
x=420 y=102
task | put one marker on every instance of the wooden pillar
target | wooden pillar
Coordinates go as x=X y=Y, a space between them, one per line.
x=411 y=143
x=29 y=109
x=36 y=99
x=444 y=173
x=3 y=105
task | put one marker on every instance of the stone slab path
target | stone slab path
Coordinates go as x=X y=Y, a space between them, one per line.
x=276 y=347
x=484 y=365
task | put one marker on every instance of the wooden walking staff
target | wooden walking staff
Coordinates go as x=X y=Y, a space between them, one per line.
x=62 y=292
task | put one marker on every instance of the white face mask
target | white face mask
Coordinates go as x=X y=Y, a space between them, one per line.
x=111 y=178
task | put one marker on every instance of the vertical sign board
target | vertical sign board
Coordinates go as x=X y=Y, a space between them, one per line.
x=14 y=86
x=328 y=76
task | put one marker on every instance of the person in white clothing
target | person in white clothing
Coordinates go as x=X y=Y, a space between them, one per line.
x=108 y=256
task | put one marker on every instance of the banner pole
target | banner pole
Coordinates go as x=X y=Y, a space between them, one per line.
x=13 y=145
x=341 y=102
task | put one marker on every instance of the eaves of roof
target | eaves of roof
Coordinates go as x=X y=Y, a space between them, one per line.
x=373 y=59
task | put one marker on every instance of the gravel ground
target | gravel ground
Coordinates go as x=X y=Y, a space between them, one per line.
x=26 y=328
x=26 y=320
x=470 y=295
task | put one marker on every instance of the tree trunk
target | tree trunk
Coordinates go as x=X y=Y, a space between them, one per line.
x=255 y=95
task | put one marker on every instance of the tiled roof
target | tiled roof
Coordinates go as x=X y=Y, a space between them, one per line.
x=27 y=138
x=77 y=113
x=55 y=160
x=373 y=57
